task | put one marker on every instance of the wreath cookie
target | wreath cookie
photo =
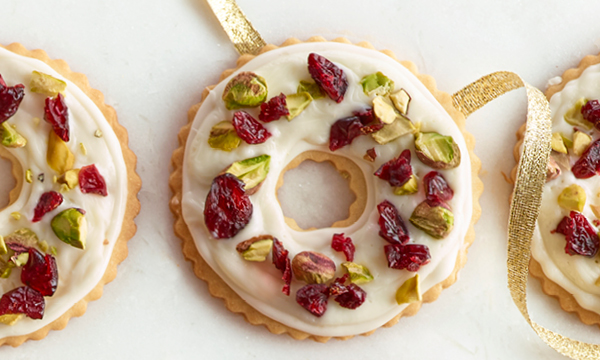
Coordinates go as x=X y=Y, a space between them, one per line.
x=410 y=165
x=69 y=217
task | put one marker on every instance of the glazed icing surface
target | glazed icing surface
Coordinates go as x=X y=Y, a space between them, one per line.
x=260 y=284
x=576 y=274
x=79 y=270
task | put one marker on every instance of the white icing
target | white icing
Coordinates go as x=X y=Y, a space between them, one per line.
x=79 y=271
x=260 y=283
x=576 y=273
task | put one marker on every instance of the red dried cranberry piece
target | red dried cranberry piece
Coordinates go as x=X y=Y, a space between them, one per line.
x=337 y=286
x=435 y=184
x=57 y=114
x=589 y=162
x=282 y=262
x=313 y=297
x=23 y=300
x=391 y=225
x=581 y=238
x=396 y=171
x=228 y=209
x=352 y=298
x=48 y=201
x=369 y=121
x=10 y=99
x=328 y=76
x=591 y=112
x=410 y=257
x=371 y=155
x=249 y=129
x=91 y=181
x=275 y=108
x=40 y=272
x=345 y=130
x=343 y=244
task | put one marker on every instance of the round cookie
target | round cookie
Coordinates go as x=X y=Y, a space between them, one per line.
x=217 y=262
x=59 y=193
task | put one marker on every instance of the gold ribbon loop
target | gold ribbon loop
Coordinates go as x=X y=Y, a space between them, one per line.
x=243 y=35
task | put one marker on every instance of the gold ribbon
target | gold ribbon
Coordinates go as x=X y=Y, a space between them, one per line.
x=531 y=174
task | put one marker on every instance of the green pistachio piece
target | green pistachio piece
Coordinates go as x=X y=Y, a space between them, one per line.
x=568 y=142
x=558 y=144
x=581 y=141
x=296 y=103
x=384 y=111
x=29 y=176
x=70 y=226
x=312 y=88
x=5 y=271
x=572 y=198
x=223 y=136
x=70 y=178
x=3 y=249
x=11 y=138
x=409 y=187
x=401 y=100
x=437 y=151
x=53 y=250
x=23 y=236
x=377 y=84
x=43 y=245
x=574 y=117
x=313 y=267
x=256 y=249
x=83 y=148
x=251 y=171
x=20 y=259
x=46 y=84
x=359 y=274
x=246 y=89
x=436 y=221
x=59 y=157
x=552 y=170
x=400 y=127
x=16 y=215
x=409 y=292
x=10 y=319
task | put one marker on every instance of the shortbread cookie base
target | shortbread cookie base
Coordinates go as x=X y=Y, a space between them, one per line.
x=128 y=228
x=218 y=288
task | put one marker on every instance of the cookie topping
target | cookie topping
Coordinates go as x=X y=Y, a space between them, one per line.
x=437 y=151
x=377 y=84
x=313 y=267
x=10 y=99
x=46 y=84
x=581 y=237
x=343 y=244
x=572 y=198
x=273 y=109
x=23 y=300
x=249 y=129
x=223 y=137
x=48 y=201
x=396 y=171
x=328 y=76
x=57 y=114
x=227 y=209
x=410 y=256
x=409 y=291
x=246 y=89
x=391 y=225
x=91 y=181
x=434 y=217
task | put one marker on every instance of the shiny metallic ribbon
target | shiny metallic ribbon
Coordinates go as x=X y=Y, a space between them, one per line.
x=531 y=174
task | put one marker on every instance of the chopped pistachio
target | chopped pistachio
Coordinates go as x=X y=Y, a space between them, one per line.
x=16 y=215
x=83 y=149
x=256 y=249
x=20 y=259
x=10 y=319
x=568 y=142
x=53 y=250
x=46 y=84
x=436 y=221
x=23 y=236
x=313 y=267
x=29 y=176
x=377 y=84
x=437 y=151
x=552 y=170
x=59 y=157
x=11 y=138
x=98 y=133
x=43 y=245
x=409 y=187
x=246 y=89
x=41 y=177
x=63 y=188
x=572 y=198
x=3 y=249
x=384 y=111
x=401 y=100
x=70 y=226
x=558 y=144
x=400 y=127
x=359 y=274
x=223 y=136
x=574 y=117
x=70 y=178
x=6 y=273
x=251 y=171
x=409 y=292
x=581 y=141
x=54 y=179
x=312 y=88
x=296 y=103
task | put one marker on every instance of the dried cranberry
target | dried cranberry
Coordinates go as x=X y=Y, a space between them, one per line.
x=391 y=225
x=249 y=129
x=581 y=237
x=57 y=114
x=352 y=298
x=396 y=171
x=591 y=112
x=410 y=257
x=589 y=162
x=338 y=286
x=48 y=201
x=343 y=244
x=10 y=99
x=369 y=121
x=275 y=108
x=228 y=209
x=282 y=262
x=23 y=300
x=328 y=76
x=91 y=181
x=40 y=272
x=313 y=297
x=345 y=130
x=371 y=155
x=435 y=184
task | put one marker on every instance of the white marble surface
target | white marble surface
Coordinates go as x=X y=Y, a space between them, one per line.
x=153 y=58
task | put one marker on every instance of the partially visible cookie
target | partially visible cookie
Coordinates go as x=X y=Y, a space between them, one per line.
x=224 y=132
x=71 y=214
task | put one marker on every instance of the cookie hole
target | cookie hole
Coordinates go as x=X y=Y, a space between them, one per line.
x=319 y=190
x=7 y=183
